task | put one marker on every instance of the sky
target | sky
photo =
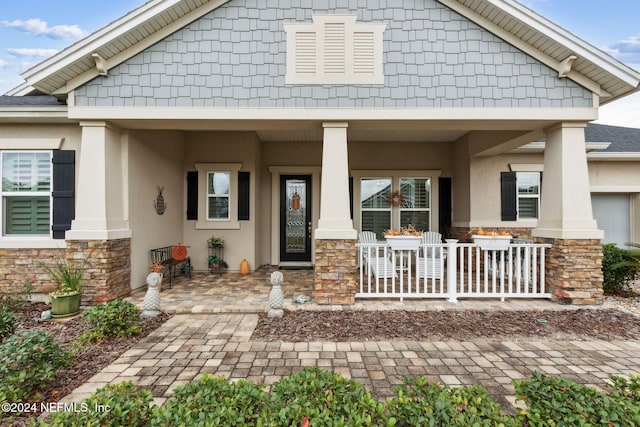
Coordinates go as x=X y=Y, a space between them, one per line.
x=32 y=30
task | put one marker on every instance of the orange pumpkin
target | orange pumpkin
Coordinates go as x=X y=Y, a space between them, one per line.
x=244 y=267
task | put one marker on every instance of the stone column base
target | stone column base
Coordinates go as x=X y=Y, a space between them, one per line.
x=335 y=271
x=108 y=273
x=574 y=270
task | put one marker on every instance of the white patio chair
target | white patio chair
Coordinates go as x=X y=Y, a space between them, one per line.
x=430 y=259
x=373 y=258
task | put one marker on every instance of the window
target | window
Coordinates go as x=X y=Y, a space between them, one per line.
x=520 y=195
x=218 y=195
x=375 y=206
x=416 y=203
x=221 y=196
x=26 y=193
x=334 y=49
x=377 y=213
x=528 y=187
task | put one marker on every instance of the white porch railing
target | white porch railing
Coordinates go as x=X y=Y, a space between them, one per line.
x=452 y=270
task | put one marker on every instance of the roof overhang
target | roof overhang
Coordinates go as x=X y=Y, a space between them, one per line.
x=115 y=43
x=554 y=46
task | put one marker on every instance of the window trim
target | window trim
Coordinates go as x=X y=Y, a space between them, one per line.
x=49 y=194
x=395 y=176
x=203 y=222
x=351 y=27
x=527 y=196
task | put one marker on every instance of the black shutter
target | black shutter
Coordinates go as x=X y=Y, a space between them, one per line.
x=63 y=194
x=351 y=196
x=192 y=195
x=243 y=195
x=508 y=196
x=444 y=206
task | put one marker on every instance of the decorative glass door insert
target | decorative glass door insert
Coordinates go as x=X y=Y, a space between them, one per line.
x=295 y=218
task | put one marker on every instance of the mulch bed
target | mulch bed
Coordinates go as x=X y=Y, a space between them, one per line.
x=299 y=326
x=89 y=361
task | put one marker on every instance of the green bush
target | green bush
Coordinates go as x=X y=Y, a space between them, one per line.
x=27 y=362
x=629 y=388
x=557 y=401
x=419 y=402
x=7 y=323
x=214 y=401
x=115 y=319
x=116 y=405
x=617 y=270
x=325 y=399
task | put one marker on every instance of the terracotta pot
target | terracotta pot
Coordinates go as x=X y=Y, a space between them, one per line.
x=244 y=267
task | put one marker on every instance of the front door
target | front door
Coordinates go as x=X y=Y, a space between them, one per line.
x=295 y=218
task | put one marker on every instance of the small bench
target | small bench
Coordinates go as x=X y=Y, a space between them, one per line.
x=164 y=256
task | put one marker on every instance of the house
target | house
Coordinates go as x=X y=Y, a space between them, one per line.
x=272 y=123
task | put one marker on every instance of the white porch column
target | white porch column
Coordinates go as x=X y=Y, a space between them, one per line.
x=565 y=211
x=102 y=190
x=335 y=219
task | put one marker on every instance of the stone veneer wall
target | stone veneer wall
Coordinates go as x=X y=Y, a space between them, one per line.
x=335 y=271
x=108 y=274
x=18 y=266
x=574 y=270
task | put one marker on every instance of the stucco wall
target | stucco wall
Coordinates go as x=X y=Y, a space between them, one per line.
x=225 y=147
x=235 y=56
x=155 y=159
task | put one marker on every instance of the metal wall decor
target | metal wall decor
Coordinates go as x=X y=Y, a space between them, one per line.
x=159 y=204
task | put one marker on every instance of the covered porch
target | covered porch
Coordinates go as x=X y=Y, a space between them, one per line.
x=231 y=293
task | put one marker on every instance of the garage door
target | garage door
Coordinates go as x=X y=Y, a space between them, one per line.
x=612 y=213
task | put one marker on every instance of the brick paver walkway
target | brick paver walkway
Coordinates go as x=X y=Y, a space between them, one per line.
x=188 y=345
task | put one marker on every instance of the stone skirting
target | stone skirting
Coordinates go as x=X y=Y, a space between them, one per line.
x=463 y=234
x=19 y=265
x=108 y=274
x=335 y=271
x=574 y=270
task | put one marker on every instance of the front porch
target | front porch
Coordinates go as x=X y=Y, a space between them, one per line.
x=233 y=293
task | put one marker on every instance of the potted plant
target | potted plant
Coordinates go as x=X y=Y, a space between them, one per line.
x=216 y=242
x=65 y=299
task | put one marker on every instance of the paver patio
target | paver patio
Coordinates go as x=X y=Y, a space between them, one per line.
x=211 y=332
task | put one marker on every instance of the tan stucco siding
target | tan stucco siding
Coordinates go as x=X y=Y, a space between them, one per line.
x=155 y=159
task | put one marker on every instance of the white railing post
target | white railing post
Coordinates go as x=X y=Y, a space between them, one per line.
x=451 y=269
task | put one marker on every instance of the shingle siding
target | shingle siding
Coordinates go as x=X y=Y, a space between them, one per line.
x=235 y=56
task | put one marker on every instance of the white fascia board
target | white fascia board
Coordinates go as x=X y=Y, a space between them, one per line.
x=620 y=156
x=580 y=47
x=332 y=114
x=114 y=30
x=21 y=90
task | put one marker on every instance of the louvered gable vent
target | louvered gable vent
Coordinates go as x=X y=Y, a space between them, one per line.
x=334 y=49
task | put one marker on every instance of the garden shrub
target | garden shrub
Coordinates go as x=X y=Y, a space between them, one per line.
x=417 y=402
x=629 y=388
x=557 y=401
x=116 y=405
x=7 y=323
x=214 y=401
x=616 y=269
x=27 y=362
x=114 y=319
x=325 y=399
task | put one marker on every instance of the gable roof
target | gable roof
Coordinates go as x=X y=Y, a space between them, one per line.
x=156 y=19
